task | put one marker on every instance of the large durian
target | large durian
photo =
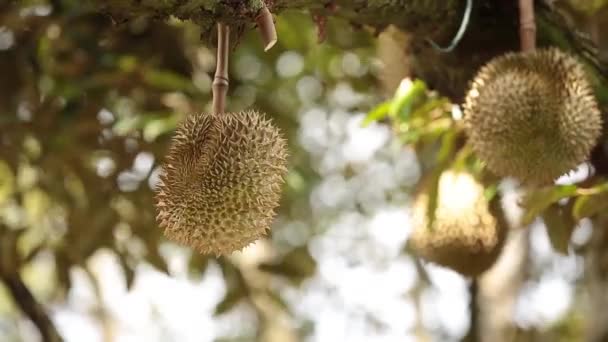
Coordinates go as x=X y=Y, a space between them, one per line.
x=221 y=181
x=468 y=231
x=532 y=115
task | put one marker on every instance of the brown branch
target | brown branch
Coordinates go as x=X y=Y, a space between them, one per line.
x=220 y=82
x=527 y=25
x=22 y=296
x=30 y=307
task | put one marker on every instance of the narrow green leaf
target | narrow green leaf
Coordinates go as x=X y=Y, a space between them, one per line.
x=429 y=106
x=232 y=298
x=63 y=265
x=168 y=80
x=237 y=288
x=377 y=114
x=157 y=260
x=490 y=192
x=128 y=270
x=560 y=226
x=433 y=193
x=197 y=265
x=296 y=265
x=535 y=202
x=403 y=103
x=590 y=205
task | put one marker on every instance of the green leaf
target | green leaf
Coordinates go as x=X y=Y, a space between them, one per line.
x=403 y=103
x=490 y=192
x=535 y=202
x=429 y=106
x=156 y=127
x=127 y=269
x=433 y=193
x=156 y=259
x=63 y=265
x=296 y=265
x=237 y=288
x=232 y=297
x=197 y=265
x=168 y=80
x=560 y=226
x=377 y=114
x=590 y=205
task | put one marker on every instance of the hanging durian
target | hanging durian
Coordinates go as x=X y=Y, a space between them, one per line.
x=222 y=178
x=532 y=115
x=468 y=231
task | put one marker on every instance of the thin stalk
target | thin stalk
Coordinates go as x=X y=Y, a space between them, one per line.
x=21 y=294
x=527 y=25
x=220 y=81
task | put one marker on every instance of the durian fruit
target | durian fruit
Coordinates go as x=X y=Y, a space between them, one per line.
x=468 y=231
x=532 y=115
x=221 y=181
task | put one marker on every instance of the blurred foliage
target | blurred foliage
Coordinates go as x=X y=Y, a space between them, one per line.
x=88 y=106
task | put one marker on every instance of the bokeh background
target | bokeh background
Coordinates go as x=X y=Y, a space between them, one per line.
x=87 y=109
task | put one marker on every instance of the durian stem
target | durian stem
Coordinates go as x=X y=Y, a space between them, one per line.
x=267 y=29
x=220 y=81
x=527 y=25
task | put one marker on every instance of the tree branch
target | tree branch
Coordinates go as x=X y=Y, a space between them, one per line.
x=432 y=19
x=28 y=304
x=22 y=296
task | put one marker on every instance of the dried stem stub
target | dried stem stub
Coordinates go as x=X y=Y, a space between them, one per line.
x=266 y=28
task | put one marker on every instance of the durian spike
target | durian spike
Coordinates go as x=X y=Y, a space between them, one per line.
x=527 y=25
x=267 y=29
x=220 y=81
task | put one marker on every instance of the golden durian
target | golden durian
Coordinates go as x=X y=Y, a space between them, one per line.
x=221 y=181
x=468 y=232
x=532 y=115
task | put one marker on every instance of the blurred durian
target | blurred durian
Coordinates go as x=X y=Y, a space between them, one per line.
x=221 y=181
x=532 y=115
x=468 y=231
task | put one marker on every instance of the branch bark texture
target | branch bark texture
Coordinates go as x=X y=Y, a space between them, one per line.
x=22 y=296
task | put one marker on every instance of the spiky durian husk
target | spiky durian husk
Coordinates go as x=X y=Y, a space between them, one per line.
x=468 y=232
x=532 y=115
x=221 y=181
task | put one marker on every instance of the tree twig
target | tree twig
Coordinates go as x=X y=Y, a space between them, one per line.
x=220 y=82
x=22 y=296
x=527 y=25
x=28 y=304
